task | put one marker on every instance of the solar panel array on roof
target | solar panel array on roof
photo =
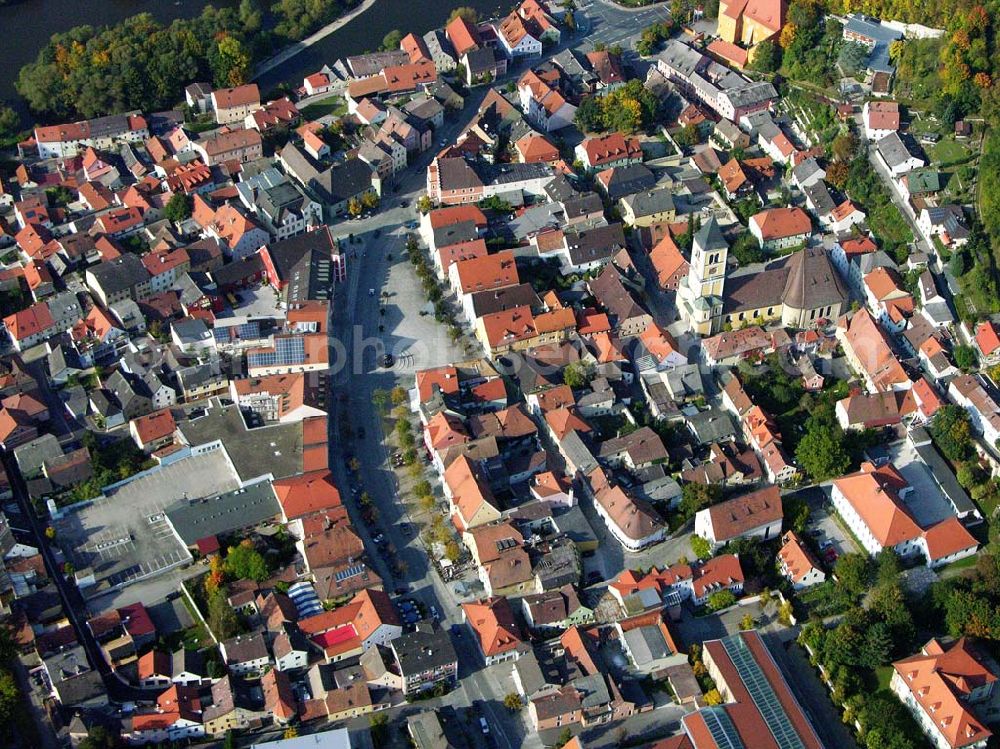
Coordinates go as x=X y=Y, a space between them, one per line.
x=286 y=350
x=762 y=693
x=349 y=573
x=506 y=543
x=721 y=727
x=244 y=331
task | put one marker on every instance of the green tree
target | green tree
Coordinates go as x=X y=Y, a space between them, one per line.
x=222 y=619
x=589 y=115
x=696 y=496
x=369 y=200
x=513 y=702
x=853 y=573
x=232 y=64
x=721 y=599
x=796 y=514
x=853 y=58
x=471 y=15
x=701 y=547
x=178 y=208
x=887 y=567
x=876 y=647
x=821 y=451
x=785 y=614
x=564 y=736
x=689 y=136
x=747 y=621
x=243 y=562
x=577 y=375
x=379 y=724
x=952 y=433
x=746 y=249
x=391 y=40
x=424 y=204
x=10 y=123
x=965 y=358
x=10 y=697
x=766 y=57
x=354 y=207
x=99 y=737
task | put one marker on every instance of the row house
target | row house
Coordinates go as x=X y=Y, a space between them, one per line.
x=678 y=583
x=63 y=141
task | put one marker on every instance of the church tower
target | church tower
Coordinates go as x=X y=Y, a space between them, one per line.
x=701 y=291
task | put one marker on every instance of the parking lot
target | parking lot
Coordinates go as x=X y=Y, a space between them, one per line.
x=926 y=502
x=823 y=523
x=126 y=537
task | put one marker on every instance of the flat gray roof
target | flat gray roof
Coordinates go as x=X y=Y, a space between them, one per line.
x=195 y=519
x=274 y=449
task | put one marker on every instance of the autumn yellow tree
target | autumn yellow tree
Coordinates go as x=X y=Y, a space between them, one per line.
x=787 y=36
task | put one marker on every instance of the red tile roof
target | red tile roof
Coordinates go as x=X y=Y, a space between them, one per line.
x=492 y=620
x=307 y=493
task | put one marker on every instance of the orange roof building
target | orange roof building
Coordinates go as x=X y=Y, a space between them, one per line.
x=668 y=262
x=798 y=563
x=942 y=685
x=496 y=631
x=305 y=494
x=472 y=502
x=871 y=503
x=867 y=349
x=758 y=700
x=778 y=228
x=443 y=379
x=485 y=273
x=463 y=36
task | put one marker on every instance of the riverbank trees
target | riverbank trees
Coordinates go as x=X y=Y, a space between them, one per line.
x=141 y=63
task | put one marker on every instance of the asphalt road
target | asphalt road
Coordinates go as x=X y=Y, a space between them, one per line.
x=355 y=316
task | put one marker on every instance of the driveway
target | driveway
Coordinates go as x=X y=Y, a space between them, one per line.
x=822 y=518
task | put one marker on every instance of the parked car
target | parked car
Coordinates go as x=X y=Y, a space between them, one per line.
x=485 y=726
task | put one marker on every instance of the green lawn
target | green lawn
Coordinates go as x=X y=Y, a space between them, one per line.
x=948 y=151
x=334 y=105
x=884 y=675
x=921 y=125
x=961 y=564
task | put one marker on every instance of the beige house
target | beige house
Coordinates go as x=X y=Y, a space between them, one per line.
x=648 y=207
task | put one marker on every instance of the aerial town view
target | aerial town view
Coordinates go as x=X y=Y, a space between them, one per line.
x=567 y=373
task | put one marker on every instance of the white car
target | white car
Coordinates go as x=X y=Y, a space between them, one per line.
x=485 y=726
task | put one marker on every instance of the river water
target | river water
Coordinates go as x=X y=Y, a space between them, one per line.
x=364 y=33
x=27 y=24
